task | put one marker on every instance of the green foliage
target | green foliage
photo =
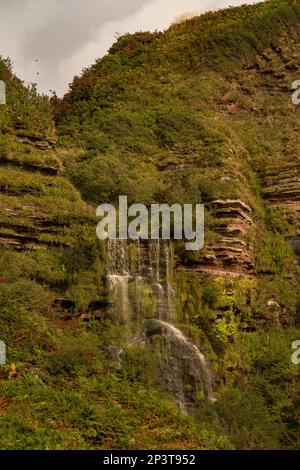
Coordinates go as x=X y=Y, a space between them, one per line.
x=26 y=109
x=256 y=409
x=211 y=304
x=275 y=256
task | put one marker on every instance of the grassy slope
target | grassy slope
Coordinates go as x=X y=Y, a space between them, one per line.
x=192 y=96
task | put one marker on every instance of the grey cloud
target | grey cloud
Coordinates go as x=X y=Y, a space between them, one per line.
x=74 y=23
x=51 y=31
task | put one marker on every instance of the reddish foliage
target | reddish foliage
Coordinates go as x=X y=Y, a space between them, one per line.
x=130 y=42
x=59 y=107
x=79 y=90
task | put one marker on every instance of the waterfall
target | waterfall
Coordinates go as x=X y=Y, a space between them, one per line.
x=140 y=284
x=118 y=281
x=171 y=304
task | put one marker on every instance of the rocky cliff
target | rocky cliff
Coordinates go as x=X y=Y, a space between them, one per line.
x=104 y=339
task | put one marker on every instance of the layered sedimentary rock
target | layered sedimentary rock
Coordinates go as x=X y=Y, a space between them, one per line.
x=231 y=254
x=38 y=207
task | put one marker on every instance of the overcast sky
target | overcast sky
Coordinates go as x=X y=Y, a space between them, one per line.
x=49 y=41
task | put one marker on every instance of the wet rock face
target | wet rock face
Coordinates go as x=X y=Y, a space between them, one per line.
x=183 y=367
x=281 y=187
x=231 y=254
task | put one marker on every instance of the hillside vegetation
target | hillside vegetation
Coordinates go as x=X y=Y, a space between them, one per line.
x=199 y=113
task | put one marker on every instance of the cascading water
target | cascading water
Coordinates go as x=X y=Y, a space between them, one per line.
x=184 y=364
x=134 y=268
x=140 y=284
